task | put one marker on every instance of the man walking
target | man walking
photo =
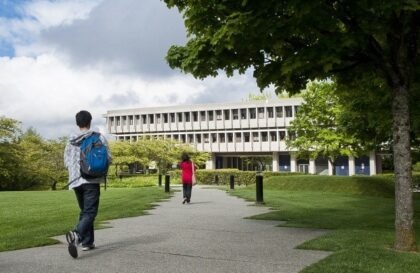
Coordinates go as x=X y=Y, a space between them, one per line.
x=85 y=186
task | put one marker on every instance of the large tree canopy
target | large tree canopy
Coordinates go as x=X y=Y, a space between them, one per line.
x=287 y=43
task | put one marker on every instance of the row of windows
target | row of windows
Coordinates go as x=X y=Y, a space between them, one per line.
x=211 y=115
x=237 y=137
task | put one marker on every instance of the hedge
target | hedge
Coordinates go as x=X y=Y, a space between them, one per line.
x=222 y=176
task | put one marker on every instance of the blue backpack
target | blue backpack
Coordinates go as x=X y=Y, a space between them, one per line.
x=94 y=162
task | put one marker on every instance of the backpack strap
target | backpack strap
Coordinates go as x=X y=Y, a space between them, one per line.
x=71 y=182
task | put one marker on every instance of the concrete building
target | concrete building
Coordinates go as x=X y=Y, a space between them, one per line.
x=232 y=133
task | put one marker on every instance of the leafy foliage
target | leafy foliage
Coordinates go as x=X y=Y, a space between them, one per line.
x=27 y=161
x=317 y=128
x=164 y=153
x=9 y=152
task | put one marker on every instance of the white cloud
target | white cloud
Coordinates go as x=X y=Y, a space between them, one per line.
x=63 y=12
x=98 y=55
x=46 y=92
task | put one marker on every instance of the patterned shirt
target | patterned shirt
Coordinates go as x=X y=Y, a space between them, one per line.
x=72 y=160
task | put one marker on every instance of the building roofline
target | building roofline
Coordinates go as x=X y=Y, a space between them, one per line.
x=206 y=106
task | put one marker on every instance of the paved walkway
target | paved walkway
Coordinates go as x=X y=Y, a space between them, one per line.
x=208 y=235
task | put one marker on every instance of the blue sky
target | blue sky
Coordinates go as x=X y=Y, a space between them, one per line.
x=58 y=57
x=9 y=9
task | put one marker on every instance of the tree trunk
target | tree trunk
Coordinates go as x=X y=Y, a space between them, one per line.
x=405 y=238
x=332 y=162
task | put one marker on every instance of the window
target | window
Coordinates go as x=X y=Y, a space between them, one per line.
x=261 y=112
x=210 y=114
x=230 y=137
x=270 y=112
x=252 y=113
x=151 y=119
x=296 y=109
x=187 y=117
x=198 y=138
x=282 y=135
x=235 y=114
x=238 y=137
x=123 y=120
x=179 y=115
x=137 y=119
x=176 y=137
x=158 y=121
x=183 y=138
x=172 y=115
x=190 y=138
x=273 y=136
x=195 y=116
x=143 y=119
x=255 y=137
x=213 y=138
x=264 y=136
x=292 y=135
x=206 y=138
x=131 y=120
x=165 y=118
x=203 y=115
x=227 y=116
x=246 y=137
x=243 y=113
x=222 y=137
x=219 y=114
x=279 y=111
x=288 y=110
x=118 y=121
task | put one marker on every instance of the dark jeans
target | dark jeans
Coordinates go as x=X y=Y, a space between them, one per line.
x=186 y=189
x=88 y=199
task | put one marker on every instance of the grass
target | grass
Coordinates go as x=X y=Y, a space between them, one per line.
x=358 y=211
x=30 y=218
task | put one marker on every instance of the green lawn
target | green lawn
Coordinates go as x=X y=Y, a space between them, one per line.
x=30 y=218
x=358 y=211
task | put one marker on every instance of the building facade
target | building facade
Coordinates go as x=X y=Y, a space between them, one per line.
x=233 y=134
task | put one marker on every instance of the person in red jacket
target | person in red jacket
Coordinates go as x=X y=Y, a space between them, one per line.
x=187 y=171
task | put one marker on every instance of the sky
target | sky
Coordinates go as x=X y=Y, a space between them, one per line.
x=58 y=57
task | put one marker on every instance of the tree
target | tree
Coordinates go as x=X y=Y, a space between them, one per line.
x=9 y=152
x=163 y=152
x=123 y=154
x=54 y=160
x=288 y=43
x=316 y=130
x=42 y=161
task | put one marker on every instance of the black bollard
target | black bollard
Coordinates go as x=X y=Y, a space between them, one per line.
x=232 y=182
x=167 y=181
x=259 y=189
x=160 y=180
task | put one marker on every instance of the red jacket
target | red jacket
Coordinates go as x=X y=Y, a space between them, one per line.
x=186 y=171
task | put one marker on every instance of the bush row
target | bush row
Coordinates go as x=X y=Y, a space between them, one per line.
x=222 y=176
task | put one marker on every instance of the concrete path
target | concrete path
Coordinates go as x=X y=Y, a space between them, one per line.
x=208 y=235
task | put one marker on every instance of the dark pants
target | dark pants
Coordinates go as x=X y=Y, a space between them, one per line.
x=88 y=199
x=186 y=189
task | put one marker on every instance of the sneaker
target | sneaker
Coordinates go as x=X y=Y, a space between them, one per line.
x=185 y=200
x=73 y=240
x=89 y=247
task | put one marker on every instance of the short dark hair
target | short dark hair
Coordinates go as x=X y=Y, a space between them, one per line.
x=83 y=119
x=185 y=157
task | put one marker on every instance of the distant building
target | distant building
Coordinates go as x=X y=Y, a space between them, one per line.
x=232 y=133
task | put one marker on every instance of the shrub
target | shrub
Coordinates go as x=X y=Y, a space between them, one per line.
x=222 y=176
